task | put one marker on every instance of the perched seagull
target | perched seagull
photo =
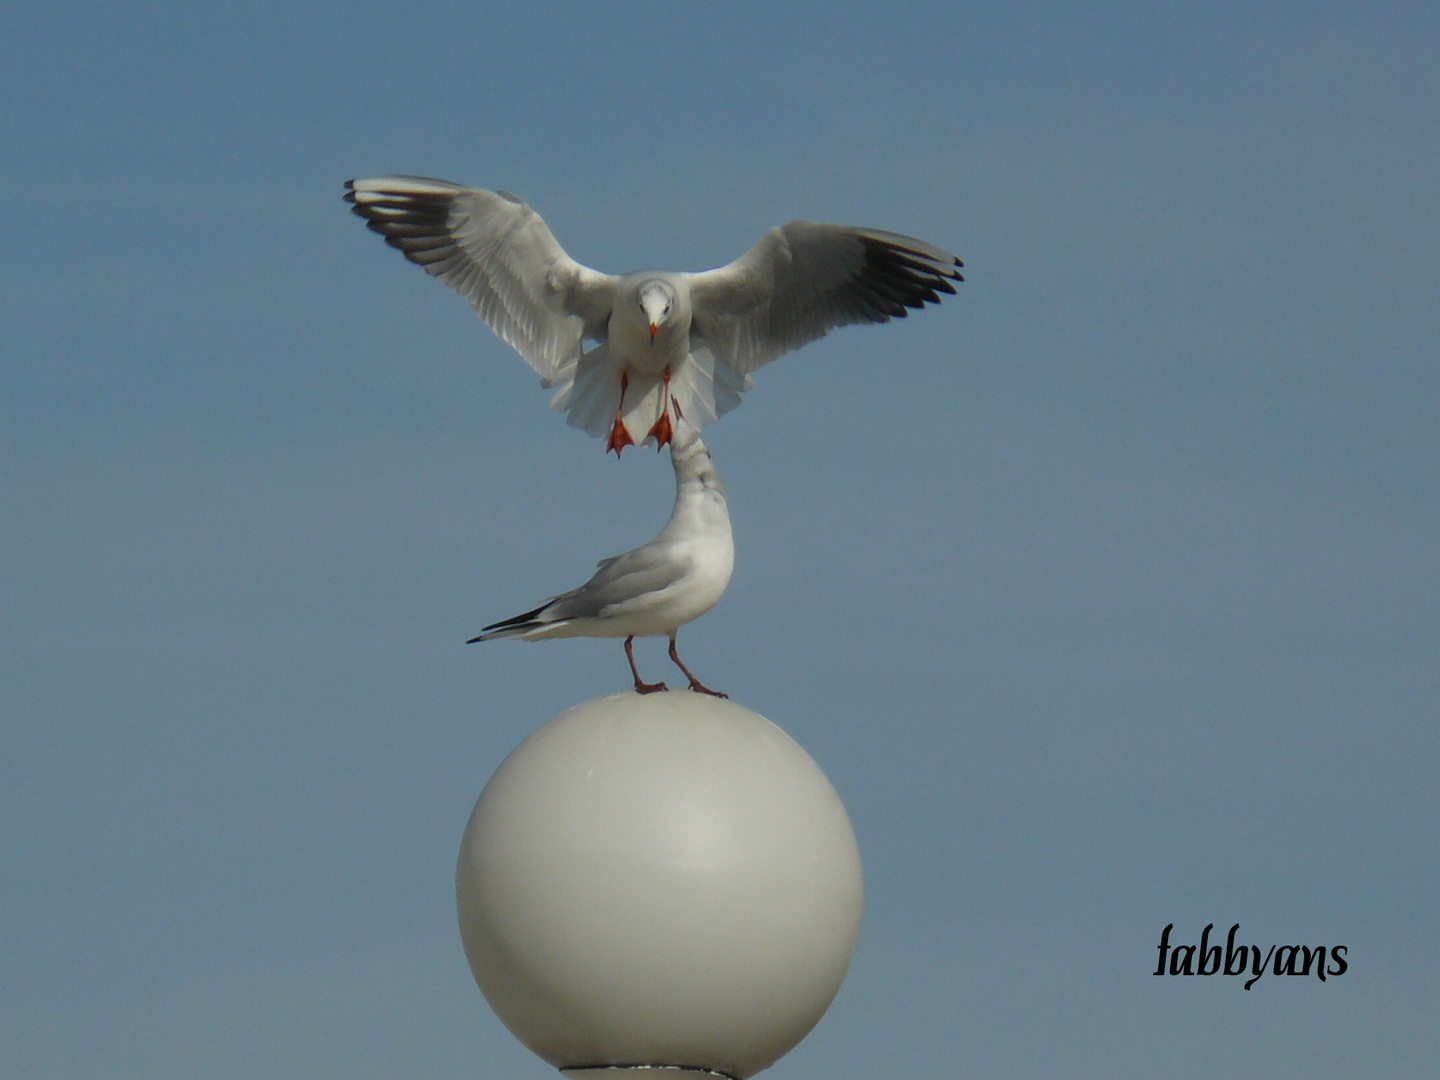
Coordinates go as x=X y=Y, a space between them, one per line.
x=661 y=338
x=658 y=587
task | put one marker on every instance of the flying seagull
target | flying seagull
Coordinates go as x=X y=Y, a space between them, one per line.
x=664 y=342
x=658 y=587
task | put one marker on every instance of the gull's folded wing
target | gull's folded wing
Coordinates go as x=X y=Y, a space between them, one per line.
x=623 y=584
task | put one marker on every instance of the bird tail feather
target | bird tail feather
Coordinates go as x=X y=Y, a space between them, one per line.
x=706 y=389
x=589 y=392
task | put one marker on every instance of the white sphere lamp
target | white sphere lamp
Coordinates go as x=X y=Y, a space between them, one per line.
x=660 y=885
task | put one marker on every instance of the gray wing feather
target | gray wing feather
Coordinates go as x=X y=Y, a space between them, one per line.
x=498 y=253
x=622 y=579
x=806 y=278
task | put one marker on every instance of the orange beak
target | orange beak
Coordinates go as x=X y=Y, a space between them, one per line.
x=654 y=329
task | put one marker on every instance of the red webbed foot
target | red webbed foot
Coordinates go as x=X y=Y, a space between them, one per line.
x=619 y=437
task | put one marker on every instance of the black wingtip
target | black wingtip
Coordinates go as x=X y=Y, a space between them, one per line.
x=524 y=621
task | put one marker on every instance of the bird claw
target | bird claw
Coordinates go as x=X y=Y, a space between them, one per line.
x=661 y=431
x=619 y=437
x=696 y=686
x=649 y=687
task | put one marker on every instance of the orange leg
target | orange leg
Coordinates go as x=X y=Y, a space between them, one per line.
x=641 y=686
x=695 y=684
x=662 y=430
x=619 y=433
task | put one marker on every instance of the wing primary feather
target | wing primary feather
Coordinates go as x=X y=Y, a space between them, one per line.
x=497 y=252
x=516 y=622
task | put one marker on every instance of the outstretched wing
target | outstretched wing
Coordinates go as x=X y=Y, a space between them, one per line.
x=806 y=278
x=494 y=250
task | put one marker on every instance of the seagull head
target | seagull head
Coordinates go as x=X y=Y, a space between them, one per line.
x=658 y=300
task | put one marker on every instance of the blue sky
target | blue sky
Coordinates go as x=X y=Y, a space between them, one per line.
x=1107 y=593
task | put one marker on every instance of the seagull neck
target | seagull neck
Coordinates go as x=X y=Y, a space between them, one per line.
x=699 y=497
